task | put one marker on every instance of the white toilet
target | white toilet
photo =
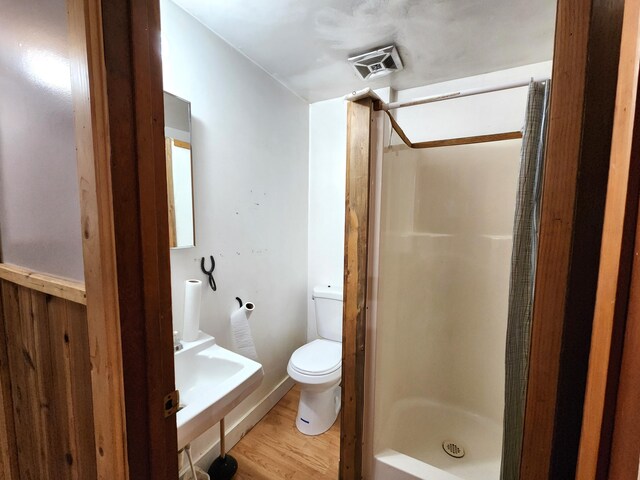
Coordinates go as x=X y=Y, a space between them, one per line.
x=317 y=366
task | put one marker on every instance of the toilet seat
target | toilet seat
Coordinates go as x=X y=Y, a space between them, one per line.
x=318 y=358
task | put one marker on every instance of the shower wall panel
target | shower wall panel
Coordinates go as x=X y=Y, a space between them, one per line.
x=445 y=251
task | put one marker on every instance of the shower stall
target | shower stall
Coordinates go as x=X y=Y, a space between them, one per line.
x=445 y=241
x=448 y=294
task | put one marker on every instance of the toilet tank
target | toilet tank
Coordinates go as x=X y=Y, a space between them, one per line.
x=328 y=305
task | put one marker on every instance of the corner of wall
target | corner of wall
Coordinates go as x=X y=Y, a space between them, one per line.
x=327 y=177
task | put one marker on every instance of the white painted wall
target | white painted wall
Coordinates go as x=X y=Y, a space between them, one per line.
x=327 y=161
x=327 y=170
x=481 y=114
x=39 y=199
x=250 y=161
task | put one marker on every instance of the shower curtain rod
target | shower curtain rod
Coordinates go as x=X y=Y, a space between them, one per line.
x=368 y=92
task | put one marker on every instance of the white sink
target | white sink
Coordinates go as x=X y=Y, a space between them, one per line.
x=212 y=381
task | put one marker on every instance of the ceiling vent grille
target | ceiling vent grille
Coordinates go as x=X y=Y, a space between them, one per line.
x=376 y=63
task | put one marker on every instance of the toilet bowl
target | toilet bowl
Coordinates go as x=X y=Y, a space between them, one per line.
x=317 y=366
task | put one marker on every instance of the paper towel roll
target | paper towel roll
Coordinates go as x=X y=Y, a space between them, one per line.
x=241 y=332
x=191 y=321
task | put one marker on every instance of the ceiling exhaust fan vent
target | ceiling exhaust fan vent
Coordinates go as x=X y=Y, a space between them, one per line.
x=377 y=63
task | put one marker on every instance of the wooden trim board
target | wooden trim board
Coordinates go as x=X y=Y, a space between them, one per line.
x=612 y=301
x=40 y=282
x=173 y=238
x=449 y=142
x=624 y=450
x=138 y=210
x=359 y=118
x=574 y=190
x=90 y=98
x=181 y=144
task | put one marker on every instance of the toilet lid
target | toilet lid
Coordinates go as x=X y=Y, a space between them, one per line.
x=318 y=357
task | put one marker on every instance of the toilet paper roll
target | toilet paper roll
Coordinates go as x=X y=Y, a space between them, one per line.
x=191 y=321
x=241 y=332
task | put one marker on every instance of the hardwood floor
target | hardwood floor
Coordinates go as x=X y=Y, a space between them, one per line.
x=275 y=450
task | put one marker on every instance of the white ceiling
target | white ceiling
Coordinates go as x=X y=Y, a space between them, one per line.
x=305 y=43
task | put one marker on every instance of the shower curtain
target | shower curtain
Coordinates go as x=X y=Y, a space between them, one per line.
x=521 y=284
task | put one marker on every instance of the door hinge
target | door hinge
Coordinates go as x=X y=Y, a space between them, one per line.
x=171 y=403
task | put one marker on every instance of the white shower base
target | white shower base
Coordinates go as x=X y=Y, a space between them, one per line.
x=414 y=449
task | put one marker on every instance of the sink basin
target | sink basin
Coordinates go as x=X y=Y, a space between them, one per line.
x=212 y=381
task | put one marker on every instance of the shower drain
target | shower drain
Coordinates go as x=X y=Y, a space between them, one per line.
x=453 y=449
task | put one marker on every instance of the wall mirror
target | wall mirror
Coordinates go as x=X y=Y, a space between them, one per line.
x=177 y=132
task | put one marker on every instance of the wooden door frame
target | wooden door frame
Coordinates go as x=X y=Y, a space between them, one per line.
x=611 y=423
x=89 y=97
x=117 y=91
x=583 y=92
x=619 y=452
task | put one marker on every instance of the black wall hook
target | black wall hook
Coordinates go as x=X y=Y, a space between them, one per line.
x=209 y=273
x=239 y=301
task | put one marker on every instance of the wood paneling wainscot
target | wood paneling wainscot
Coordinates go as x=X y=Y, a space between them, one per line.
x=46 y=417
